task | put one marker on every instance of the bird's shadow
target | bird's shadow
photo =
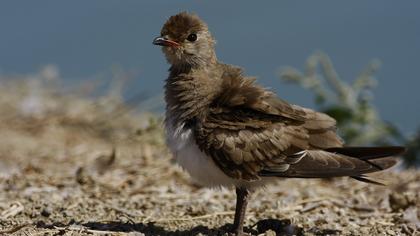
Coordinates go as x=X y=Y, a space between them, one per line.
x=280 y=227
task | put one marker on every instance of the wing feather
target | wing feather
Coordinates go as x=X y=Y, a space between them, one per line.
x=250 y=133
x=248 y=129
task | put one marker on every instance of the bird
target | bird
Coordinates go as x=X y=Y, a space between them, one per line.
x=225 y=130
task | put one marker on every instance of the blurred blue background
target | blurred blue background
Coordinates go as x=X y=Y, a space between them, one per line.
x=84 y=38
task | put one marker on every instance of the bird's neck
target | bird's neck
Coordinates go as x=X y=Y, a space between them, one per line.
x=190 y=90
x=182 y=67
x=178 y=69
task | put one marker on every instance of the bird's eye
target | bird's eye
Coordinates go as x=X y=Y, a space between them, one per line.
x=192 y=37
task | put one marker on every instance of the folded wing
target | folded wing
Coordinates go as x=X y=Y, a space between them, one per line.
x=250 y=133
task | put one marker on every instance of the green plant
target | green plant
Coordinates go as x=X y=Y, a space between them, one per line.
x=358 y=121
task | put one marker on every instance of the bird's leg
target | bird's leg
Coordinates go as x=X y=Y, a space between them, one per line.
x=241 y=203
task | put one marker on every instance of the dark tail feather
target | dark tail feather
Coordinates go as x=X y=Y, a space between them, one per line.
x=336 y=162
x=367 y=153
x=363 y=178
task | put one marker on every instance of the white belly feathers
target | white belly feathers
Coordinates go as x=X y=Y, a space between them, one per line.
x=201 y=168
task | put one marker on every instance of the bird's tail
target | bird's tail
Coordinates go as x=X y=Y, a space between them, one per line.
x=340 y=161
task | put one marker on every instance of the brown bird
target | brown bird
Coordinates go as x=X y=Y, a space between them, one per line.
x=225 y=130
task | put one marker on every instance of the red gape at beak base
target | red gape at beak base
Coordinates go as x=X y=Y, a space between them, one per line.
x=161 y=41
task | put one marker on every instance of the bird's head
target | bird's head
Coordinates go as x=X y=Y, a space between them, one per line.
x=186 y=40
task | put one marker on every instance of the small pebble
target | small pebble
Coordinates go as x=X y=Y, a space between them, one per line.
x=270 y=233
x=390 y=232
x=46 y=212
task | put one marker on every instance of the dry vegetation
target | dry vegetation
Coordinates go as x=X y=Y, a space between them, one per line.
x=74 y=165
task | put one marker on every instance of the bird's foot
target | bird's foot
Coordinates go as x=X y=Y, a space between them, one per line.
x=238 y=232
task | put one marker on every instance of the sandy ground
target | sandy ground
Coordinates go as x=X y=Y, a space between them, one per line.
x=76 y=168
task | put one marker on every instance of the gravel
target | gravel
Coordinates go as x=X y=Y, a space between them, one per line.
x=79 y=170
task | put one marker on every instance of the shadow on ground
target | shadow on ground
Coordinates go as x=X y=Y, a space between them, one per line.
x=280 y=227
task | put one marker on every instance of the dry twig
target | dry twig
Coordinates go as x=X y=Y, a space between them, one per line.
x=15 y=208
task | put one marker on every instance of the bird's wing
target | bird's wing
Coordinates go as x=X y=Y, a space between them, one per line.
x=240 y=92
x=242 y=144
x=247 y=129
x=250 y=133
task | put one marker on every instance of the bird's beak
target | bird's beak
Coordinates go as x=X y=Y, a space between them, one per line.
x=161 y=41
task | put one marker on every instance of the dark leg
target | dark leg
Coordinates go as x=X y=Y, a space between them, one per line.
x=241 y=203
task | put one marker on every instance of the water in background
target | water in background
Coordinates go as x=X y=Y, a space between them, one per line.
x=85 y=39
